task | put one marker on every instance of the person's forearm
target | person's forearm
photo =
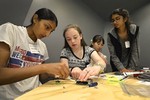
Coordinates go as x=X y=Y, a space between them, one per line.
x=11 y=75
x=101 y=66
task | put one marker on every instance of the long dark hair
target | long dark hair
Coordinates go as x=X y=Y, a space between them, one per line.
x=124 y=13
x=76 y=27
x=46 y=14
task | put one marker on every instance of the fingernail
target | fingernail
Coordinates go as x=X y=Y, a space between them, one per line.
x=57 y=76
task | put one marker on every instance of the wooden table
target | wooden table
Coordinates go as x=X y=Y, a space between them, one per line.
x=68 y=90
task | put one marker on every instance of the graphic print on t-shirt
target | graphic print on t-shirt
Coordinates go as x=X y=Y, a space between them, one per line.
x=21 y=58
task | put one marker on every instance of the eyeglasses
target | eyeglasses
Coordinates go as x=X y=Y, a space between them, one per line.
x=116 y=19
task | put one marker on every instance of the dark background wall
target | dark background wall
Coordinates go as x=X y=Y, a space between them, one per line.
x=90 y=15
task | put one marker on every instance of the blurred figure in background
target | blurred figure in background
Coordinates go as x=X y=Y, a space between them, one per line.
x=98 y=43
x=122 y=42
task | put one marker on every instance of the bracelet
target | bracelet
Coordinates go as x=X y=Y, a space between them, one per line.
x=101 y=67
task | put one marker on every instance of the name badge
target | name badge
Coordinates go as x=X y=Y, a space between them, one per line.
x=33 y=48
x=127 y=44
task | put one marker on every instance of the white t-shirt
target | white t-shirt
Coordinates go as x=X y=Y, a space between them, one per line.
x=24 y=53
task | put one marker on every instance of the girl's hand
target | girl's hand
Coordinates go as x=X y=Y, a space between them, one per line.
x=89 y=71
x=75 y=73
x=125 y=70
x=59 y=70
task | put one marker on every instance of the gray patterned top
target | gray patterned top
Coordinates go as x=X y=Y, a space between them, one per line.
x=74 y=61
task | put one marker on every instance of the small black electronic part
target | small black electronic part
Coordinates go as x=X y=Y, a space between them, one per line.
x=81 y=82
x=57 y=81
x=93 y=84
x=89 y=83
